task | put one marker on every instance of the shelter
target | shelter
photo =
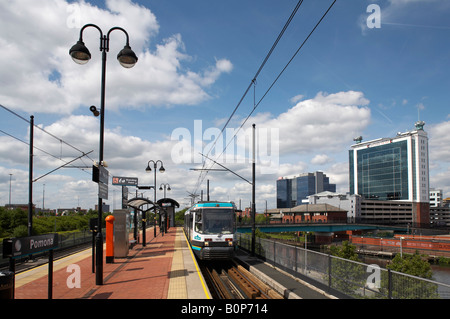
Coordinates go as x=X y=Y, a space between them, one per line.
x=138 y=202
x=168 y=206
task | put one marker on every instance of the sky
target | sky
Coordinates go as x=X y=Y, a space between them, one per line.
x=370 y=68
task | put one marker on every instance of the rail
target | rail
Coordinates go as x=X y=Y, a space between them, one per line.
x=231 y=281
x=348 y=278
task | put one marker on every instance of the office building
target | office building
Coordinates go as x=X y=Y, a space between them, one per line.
x=393 y=169
x=294 y=191
x=350 y=203
x=436 y=199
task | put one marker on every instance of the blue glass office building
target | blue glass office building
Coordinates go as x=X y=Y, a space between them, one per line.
x=392 y=169
x=291 y=191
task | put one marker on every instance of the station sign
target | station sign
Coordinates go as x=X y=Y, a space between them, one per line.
x=22 y=246
x=100 y=174
x=103 y=191
x=125 y=181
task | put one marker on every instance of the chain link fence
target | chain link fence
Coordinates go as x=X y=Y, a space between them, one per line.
x=351 y=278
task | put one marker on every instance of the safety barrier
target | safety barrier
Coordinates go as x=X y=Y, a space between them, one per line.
x=350 y=278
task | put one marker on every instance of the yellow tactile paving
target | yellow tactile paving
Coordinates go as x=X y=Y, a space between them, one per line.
x=177 y=284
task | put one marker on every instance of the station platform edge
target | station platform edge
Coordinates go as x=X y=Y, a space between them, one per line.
x=164 y=269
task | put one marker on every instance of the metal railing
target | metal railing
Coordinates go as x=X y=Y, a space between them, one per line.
x=347 y=277
x=65 y=240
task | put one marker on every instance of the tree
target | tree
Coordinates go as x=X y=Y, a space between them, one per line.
x=346 y=250
x=406 y=287
x=347 y=275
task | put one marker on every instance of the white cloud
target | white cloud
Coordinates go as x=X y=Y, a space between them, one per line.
x=325 y=122
x=441 y=181
x=296 y=98
x=321 y=159
x=439 y=139
x=41 y=77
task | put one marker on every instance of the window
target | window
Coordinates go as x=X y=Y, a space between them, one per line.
x=213 y=221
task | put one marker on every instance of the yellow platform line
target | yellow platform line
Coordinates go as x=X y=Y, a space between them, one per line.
x=177 y=282
x=205 y=290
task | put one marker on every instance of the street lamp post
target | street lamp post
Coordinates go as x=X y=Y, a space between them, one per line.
x=165 y=212
x=10 y=176
x=148 y=170
x=127 y=58
x=165 y=185
x=401 y=246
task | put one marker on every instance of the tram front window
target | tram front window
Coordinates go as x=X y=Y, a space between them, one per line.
x=217 y=221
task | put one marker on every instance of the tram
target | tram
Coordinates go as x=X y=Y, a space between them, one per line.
x=211 y=230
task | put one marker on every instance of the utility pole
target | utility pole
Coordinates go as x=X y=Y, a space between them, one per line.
x=253 y=194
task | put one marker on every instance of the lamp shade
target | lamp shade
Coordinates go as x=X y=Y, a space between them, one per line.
x=79 y=53
x=127 y=58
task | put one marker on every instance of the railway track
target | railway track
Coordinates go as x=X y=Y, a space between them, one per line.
x=42 y=258
x=229 y=280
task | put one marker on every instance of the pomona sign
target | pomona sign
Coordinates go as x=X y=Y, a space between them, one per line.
x=22 y=246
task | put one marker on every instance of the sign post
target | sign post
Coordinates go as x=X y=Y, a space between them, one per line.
x=22 y=246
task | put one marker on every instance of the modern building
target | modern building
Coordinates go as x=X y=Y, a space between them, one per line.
x=350 y=203
x=294 y=191
x=393 y=169
x=436 y=199
x=308 y=213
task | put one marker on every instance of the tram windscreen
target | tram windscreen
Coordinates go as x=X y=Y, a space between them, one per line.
x=216 y=221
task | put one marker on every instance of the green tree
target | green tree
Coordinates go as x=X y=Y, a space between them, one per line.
x=407 y=287
x=347 y=275
x=10 y=220
x=415 y=265
x=179 y=216
x=346 y=250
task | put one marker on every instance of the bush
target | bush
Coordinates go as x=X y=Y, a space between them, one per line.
x=14 y=223
x=20 y=231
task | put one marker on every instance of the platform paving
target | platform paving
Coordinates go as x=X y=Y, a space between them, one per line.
x=163 y=269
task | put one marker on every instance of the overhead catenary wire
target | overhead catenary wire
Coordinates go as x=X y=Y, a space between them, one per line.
x=252 y=83
x=200 y=180
x=40 y=128
x=60 y=158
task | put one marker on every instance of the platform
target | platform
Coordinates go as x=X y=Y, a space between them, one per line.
x=164 y=269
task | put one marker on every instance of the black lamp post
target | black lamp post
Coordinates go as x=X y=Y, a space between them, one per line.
x=127 y=58
x=165 y=185
x=165 y=212
x=148 y=170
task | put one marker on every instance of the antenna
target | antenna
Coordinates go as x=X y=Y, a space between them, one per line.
x=419 y=124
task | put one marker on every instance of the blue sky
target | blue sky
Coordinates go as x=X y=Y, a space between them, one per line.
x=196 y=59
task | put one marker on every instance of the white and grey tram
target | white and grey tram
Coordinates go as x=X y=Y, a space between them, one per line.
x=210 y=228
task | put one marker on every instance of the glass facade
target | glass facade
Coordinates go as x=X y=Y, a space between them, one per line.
x=291 y=192
x=382 y=172
x=284 y=192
